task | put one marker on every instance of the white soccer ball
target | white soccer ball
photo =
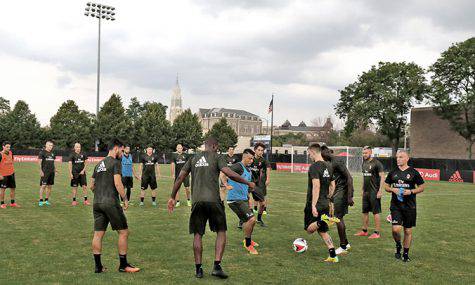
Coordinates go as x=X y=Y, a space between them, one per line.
x=300 y=245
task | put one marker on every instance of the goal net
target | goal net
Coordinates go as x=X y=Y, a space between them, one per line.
x=351 y=156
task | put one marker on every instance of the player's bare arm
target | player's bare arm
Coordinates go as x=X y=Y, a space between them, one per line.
x=70 y=166
x=120 y=188
x=315 y=195
x=172 y=169
x=236 y=177
x=157 y=170
x=41 y=170
x=176 y=187
x=83 y=171
x=351 y=189
x=417 y=190
x=268 y=175
x=381 y=185
x=93 y=184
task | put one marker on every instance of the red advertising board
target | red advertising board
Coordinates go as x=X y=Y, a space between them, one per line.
x=298 y=167
x=429 y=174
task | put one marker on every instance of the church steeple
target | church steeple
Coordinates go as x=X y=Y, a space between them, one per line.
x=175 y=106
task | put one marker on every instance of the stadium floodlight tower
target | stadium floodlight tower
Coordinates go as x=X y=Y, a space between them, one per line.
x=99 y=12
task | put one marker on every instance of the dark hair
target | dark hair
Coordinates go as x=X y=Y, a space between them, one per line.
x=367 y=147
x=5 y=143
x=113 y=143
x=248 y=151
x=326 y=152
x=259 y=144
x=315 y=147
x=211 y=141
x=231 y=146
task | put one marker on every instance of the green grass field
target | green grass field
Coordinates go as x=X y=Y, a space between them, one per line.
x=52 y=245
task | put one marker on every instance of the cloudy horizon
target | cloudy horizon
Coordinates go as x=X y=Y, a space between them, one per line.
x=231 y=54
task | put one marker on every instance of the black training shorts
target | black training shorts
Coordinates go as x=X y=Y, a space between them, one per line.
x=371 y=203
x=79 y=180
x=242 y=210
x=8 y=182
x=201 y=212
x=109 y=213
x=403 y=216
x=128 y=181
x=340 y=205
x=149 y=180
x=309 y=218
x=47 y=179
x=259 y=194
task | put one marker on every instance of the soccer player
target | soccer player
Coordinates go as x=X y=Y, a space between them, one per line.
x=207 y=205
x=238 y=199
x=230 y=159
x=342 y=196
x=404 y=183
x=128 y=171
x=373 y=184
x=7 y=176
x=150 y=171
x=47 y=172
x=317 y=206
x=106 y=183
x=77 y=173
x=261 y=176
x=178 y=160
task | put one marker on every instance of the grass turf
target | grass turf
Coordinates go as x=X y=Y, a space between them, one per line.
x=52 y=245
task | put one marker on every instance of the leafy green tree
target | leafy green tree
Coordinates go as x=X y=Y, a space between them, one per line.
x=112 y=122
x=453 y=89
x=187 y=130
x=154 y=128
x=4 y=110
x=70 y=125
x=224 y=133
x=134 y=112
x=23 y=127
x=383 y=96
x=290 y=138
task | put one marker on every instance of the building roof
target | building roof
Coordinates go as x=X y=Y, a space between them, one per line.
x=302 y=127
x=220 y=111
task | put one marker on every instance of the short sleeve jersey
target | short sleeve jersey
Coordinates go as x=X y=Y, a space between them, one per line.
x=47 y=161
x=77 y=161
x=231 y=159
x=205 y=168
x=371 y=178
x=259 y=171
x=407 y=179
x=105 y=191
x=179 y=159
x=319 y=170
x=148 y=164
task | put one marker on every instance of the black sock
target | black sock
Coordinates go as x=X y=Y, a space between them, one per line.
x=123 y=260
x=332 y=252
x=376 y=232
x=198 y=266
x=12 y=201
x=248 y=241
x=189 y=200
x=74 y=199
x=217 y=264
x=46 y=199
x=128 y=194
x=406 y=252
x=97 y=260
x=365 y=230
x=153 y=199
x=265 y=208
x=41 y=200
x=343 y=244
x=141 y=199
x=398 y=247
x=178 y=201
x=85 y=198
x=2 y=202
x=259 y=217
x=255 y=208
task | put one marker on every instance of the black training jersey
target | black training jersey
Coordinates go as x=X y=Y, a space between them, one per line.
x=371 y=178
x=230 y=159
x=319 y=170
x=179 y=159
x=339 y=170
x=105 y=191
x=78 y=160
x=47 y=161
x=148 y=164
x=205 y=168
x=259 y=171
x=407 y=179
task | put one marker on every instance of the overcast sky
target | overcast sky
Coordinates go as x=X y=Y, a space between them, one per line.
x=231 y=54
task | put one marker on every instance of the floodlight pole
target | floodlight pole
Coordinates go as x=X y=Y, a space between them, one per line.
x=98 y=68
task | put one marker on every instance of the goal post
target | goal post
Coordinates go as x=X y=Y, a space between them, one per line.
x=351 y=156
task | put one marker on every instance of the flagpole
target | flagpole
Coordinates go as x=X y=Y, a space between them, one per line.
x=272 y=123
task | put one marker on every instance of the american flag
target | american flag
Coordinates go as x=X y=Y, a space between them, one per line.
x=271 y=105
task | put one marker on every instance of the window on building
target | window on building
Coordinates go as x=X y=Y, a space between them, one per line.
x=305 y=152
x=286 y=151
x=295 y=152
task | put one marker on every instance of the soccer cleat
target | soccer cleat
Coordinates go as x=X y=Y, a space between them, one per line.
x=3 y=206
x=15 y=205
x=47 y=203
x=218 y=272
x=329 y=220
x=86 y=203
x=253 y=243
x=141 y=204
x=251 y=249
x=74 y=203
x=361 y=234
x=406 y=259
x=374 y=236
x=199 y=273
x=129 y=269
x=264 y=212
x=100 y=269
x=332 y=259
x=343 y=251
x=389 y=218
x=261 y=223
x=154 y=204
x=397 y=255
x=40 y=203
x=177 y=204
x=188 y=203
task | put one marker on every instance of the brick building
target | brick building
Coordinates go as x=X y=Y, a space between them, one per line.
x=432 y=137
x=244 y=123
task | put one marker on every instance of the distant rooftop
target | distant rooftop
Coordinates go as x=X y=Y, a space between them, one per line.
x=219 y=112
